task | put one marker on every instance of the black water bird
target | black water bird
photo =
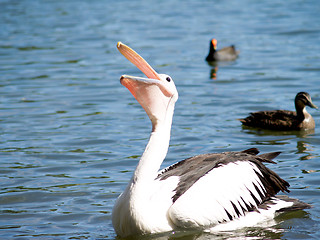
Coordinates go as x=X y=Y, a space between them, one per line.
x=224 y=54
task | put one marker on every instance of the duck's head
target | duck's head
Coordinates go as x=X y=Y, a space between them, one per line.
x=303 y=99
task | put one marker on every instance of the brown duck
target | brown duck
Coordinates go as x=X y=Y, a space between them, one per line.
x=284 y=119
x=224 y=54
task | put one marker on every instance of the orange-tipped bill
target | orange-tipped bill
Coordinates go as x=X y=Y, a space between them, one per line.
x=137 y=60
x=214 y=43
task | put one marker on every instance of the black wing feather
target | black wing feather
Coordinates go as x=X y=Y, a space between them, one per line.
x=192 y=169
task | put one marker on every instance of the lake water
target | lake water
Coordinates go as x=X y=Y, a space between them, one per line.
x=71 y=134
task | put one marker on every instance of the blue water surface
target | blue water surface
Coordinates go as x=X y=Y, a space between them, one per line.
x=71 y=134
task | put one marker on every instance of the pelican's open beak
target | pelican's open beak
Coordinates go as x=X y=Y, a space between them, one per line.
x=154 y=93
x=136 y=84
x=138 y=61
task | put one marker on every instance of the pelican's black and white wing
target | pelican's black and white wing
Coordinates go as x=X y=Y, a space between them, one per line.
x=221 y=187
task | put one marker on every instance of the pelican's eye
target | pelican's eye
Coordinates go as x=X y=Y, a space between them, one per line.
x=168 y=79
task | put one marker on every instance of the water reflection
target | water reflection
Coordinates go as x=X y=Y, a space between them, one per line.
x=248 y=233
x=272 y=229
x=269 y=137
x=265 y=132
x=214 y=72
x=215 y=67
x=304 y=147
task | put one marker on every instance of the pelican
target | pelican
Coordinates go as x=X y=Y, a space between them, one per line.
x=208 y=192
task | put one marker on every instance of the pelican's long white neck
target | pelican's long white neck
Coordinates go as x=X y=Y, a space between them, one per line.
x=157 y=95
x=156 y=149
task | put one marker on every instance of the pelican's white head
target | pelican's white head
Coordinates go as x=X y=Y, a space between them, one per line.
x=157 y=93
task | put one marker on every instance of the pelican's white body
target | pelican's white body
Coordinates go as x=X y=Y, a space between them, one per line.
x=146 y=205
x=150 y=209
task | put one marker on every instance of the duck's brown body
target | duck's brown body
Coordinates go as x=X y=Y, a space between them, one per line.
x=284 y=120
x=278 y=120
